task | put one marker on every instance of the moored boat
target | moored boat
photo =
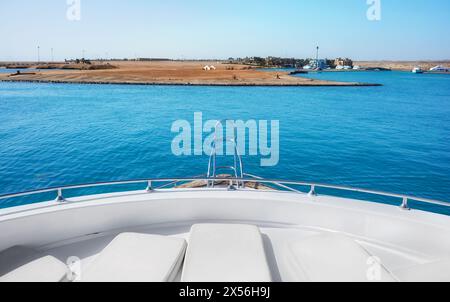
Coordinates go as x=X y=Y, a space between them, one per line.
x=440 y=69
x=417 y=70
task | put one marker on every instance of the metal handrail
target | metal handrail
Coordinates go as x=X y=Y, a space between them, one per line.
x=285 y=183
x=213 y=168
x=237 y=168
x=275 y=183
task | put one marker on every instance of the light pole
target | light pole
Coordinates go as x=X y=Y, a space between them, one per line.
x=317 y=58
x=39 y=54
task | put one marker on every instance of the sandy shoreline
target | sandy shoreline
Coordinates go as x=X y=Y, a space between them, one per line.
x=318 y=84
x=174 y=73
x=402 y=65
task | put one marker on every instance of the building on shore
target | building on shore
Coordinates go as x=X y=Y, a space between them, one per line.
x=343 y=62
x=152 y=59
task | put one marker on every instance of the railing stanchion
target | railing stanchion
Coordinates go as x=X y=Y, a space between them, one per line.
x=149 y=187
x=312 y=193
x=405 y=205
x=60 y=197
x=231 y=186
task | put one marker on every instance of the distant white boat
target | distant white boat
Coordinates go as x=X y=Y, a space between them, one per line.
x=440 y=68
x=417 y=70
x=356 y=67
x=307 y=67
x=339 y=67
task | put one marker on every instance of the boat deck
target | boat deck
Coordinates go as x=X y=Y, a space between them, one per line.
x=304 y=237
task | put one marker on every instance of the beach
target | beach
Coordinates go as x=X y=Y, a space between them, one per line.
x=173 y=73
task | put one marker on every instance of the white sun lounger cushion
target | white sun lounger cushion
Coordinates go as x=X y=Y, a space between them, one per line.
x=334 y=258
x=133 y=257
x=225 y=253
x=19 y=264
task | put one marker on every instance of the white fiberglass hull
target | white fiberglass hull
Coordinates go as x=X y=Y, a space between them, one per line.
x=407 y=243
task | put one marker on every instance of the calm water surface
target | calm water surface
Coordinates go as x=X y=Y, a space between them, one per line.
x=7 y=70
x=394 y=138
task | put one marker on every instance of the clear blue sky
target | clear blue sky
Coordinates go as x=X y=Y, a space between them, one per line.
x=409 y=29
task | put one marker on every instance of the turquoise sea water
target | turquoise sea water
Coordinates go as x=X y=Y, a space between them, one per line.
x=5 y=70
x=393 y=138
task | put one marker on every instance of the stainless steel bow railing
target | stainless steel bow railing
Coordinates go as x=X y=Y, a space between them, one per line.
x=165 y=183
x=237 y=168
